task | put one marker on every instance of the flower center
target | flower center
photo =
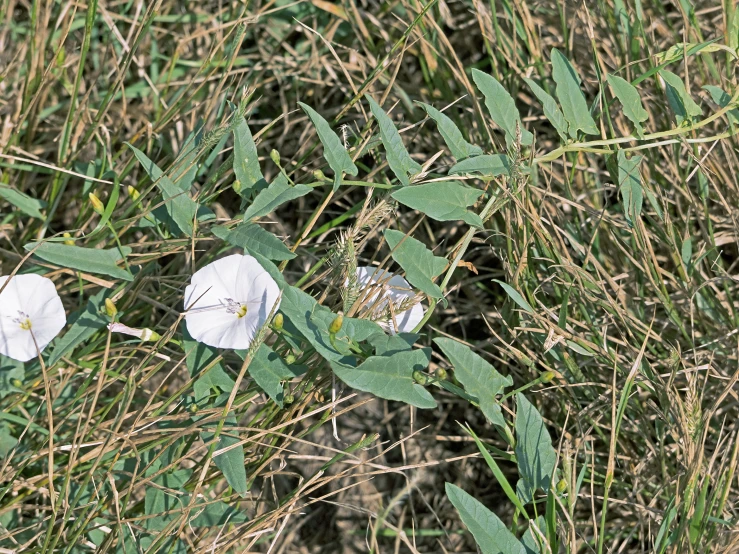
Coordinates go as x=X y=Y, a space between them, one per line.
x=23 y=320
x=234 y=307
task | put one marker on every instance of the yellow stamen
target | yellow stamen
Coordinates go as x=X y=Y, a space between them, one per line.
x=241 y=312
x=26 y=324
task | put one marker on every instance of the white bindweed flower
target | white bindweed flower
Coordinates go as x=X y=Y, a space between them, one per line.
x=228 y=301
x=31 y=315
x=390 y=299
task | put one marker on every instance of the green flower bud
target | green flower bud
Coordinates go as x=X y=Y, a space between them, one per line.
x=548 y=376
x=110 y=308
x=237 y=186
x=17 y=383
x=133 y=193
x=97 y=204
x=278 y=322
x=441 y=374
x=319 y=175
x=290 y=359
x=194 y=408
x=561 y=486
x=420 y=377
x=288 y=399
x=336 y=324
x=275 y=156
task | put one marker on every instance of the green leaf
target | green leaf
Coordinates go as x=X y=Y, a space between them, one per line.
x=681 y=103
x=442 y=201
x=171 y=495
x=10 y=370
x=215 y=379
x=269 y=370
x=180 y=207
x=246 y=161
x=420 y=265
x=478 y=377
x=7 y=441
x=491 y=534
x=26 y=204
x=571 y=97
x=535 y=455
x=723 y=99
x=630 y=100
x=386 y=345
x=400 y=162
x=502 y=108
x=486 y=166
x=231 y=462
x=201 y=363
x=551 y=109
x=452 y=136
x=185 y=166
x=333 y=150
x=312 y=321
x=276 y=194
x=686 y=251
x=94 y=260
x=531 y=540
x=515 y=296
x=87 y=324
x=135 y=543
x=216 y=514
x=390 y=377
x=254 y=238
x=156 y=501
x=629 y=184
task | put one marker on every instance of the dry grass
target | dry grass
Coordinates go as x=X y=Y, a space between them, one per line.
x=659 y=317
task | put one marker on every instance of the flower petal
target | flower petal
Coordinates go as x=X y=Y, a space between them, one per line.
x=207 y=318
x=393 y=288
x=408 y=319
x=36 y=297
x=212 y=327
x=213 y=283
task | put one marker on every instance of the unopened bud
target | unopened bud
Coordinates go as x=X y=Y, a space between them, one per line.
x=147 y=335
x=17 y=383
x=278 y=322
x=193 y=408
x=60 y=57
x=237 y=186
x=561 y=486
x=319 y=175
x=288 y=399
x=133 y=193
x=97 y=204
x=69 y=241
x=290 y=359
x=441 y=374
x=336 y=324
x=548 y=376
x=420 y=377
x=110 y=308
x=275 y=156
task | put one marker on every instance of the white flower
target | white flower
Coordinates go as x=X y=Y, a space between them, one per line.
x=31 y=315
x=390 y=299
x=228 y=301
